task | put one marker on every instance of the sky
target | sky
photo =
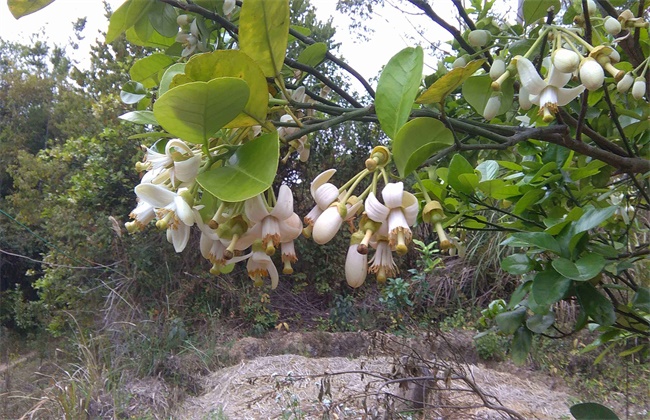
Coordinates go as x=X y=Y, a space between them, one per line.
x=367 y=57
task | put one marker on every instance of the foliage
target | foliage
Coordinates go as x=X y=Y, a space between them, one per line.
x=565 y=182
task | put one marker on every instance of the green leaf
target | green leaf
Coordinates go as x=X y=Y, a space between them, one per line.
x=168 y=76
x=517 y=264
x=140 y=117
x=478 y=89
x=509 y=322
x=438 y=91
x=132 y=92
x=597 y=306
x=264 y=32
x=537 y=9
x=539 y=323
x=117 y=23
x=539 y=239
x=590 y=411
x=234 y=63
x=488 y=169
x=153 y=39
x=313 y=55
x=147 y=69
x=641 y=299
x=163 y=19
x=20 y=8
x=196 y=111
x=593 y=217
x=584 y=269
x=417 y=141
x=249 y=171
x=520 y=346
x=549 y=287
x=499 y=189
x=457 y=167
x=398 y=84
x=527 y=200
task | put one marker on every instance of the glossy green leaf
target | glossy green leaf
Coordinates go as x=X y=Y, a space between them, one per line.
x=234 y=63
x=264 y=32
x=499 y=189
x=530 y=198
x=539 y=239
x=147 y=69
x=597 y=306
x=195 y=111
x=478 y=89
x=417 y=141
x=458 y=166
x=509 y=322
x=584 y=269
x=140 y=117
x=488 y=169
x=398 y=84
x=591 y=411
x=313 y=55
x=163 y=19
x=20 y=8
x=132 y=92
x=168 y=76
x=520 y=347
x=249 y=171
x=117 y=23
x=592 y=218
x=549 y=287
x=537 y=9
x=517 y=264
x=438 y=91
x=153 y=40
x=539 y=323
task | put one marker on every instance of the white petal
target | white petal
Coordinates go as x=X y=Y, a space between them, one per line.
x=492 y=107
x=392 y=194
x=325 y=195
x=177 y=144
x=155 y=195
x=353 y=209
x=187 y=170
x=184 y=211
x=396 y=220
x=205 y=244
x=291 y=228
x=529 y=77
x=273 y=272
x=548 y=96
x=228 y=6
x=313 y=215
x=524 y=98
x=322 y=178
x=411 y=206
x=356 y=267
x=564 y=95
x=375 y=210
x=557 y=78
x=255 y=209
x=327 y=226
x=284 y=206
x=180 y=237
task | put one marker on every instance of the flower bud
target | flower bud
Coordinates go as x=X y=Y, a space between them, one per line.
x=228 y=6
x=183 y=20
x=492 y=107
x=564 y=60
x=356 y=267
x=497 y=69
x=592 y=9
x=625 y=83
x=638 y=89
x=592 y=75
x=612 y=26
x=460 y=62
x=479 y=38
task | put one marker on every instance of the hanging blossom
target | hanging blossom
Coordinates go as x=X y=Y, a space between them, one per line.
x=382 y=263
x=181 y=161
x=399 y=212
x=549 y=93
x=271 y=222
x=324 y=194
x=173 y=212
x=291 y=230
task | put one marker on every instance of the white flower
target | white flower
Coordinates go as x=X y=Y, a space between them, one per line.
x=329 y=223
x=323 y=193
x=142 y=215
x=638 y=89
x=174 y=213
x=549 y=94
x=260 y=265
x=183 y=163
x=257 y=212
x=625 y=83
x=400 y=211
x=290 y=230
x=382 y=263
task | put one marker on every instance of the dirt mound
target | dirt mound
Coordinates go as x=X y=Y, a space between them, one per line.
x=365 y=385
